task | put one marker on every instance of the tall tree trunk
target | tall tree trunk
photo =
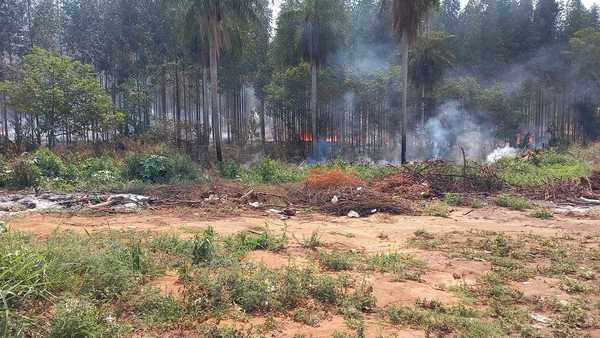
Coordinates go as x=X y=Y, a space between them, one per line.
x=163 y=94
x=263 y=136
x=404 y=113
x=177 y=109
x=313 y=101
x=205 y=107
x=215 y=88
x=5 y=115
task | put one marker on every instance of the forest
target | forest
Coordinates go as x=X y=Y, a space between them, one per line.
x=326 y=78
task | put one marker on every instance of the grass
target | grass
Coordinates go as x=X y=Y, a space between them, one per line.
x=154 y=308
x=337 y=260
x=403 y=266
x=513 y=202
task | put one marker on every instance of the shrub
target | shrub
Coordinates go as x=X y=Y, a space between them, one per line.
x=100 y=171
x=5 y=172
x=50 y=164
x=512 y=202
x=437 y=209
x=542 y=213
x=25 y=173
x=227 y=169
x=77 y=318
x=271 y=171
x=452 y=198
x=184 y=168
x=149 y=168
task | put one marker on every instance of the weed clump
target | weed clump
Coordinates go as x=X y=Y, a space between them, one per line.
x=154 y=308
x=513 y=202
x=337 y=260
x=80 y=318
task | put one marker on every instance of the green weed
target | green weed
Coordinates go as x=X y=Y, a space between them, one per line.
x=437 y=209
x=337 y=260
x=513 y=202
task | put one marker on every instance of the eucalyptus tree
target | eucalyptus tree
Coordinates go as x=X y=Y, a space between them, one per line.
x=218 y=20
x=322 y=35
x=408 y=17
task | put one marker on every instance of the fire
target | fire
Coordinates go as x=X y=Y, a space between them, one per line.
x=306 y=137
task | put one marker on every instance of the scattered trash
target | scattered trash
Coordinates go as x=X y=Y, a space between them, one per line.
x=353 y=214
x=335 y=199
x=254 y=204
x=273 y=211
x=18 y=204
x=212 y=197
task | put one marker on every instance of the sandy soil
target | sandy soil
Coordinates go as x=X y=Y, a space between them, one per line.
x=377 y=233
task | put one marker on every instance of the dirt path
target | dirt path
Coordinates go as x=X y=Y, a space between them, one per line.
x=371 y=234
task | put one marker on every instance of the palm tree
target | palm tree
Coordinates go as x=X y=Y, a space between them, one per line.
x=408 y=16
x=323 y=30
x=218 y=19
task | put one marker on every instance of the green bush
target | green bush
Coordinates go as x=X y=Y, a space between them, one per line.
x=50 y=164
x=77 y=318
x=99 y=171
x=25 y=173
x=513 y=202
x=271 y=171
x=159 y=168
x=227 y=169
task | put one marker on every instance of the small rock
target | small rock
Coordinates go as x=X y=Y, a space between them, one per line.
x=353 y=214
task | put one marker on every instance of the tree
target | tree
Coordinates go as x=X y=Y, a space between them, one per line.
x=62 y=96
x=408 y=16
x=323 y=28
x=449 y=15
x=545 y=22
x=218 y=20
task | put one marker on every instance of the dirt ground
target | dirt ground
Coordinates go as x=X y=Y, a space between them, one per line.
x=375 y=234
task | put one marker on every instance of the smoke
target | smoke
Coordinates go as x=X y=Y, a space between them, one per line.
x=453 y=130
x=503 y=152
